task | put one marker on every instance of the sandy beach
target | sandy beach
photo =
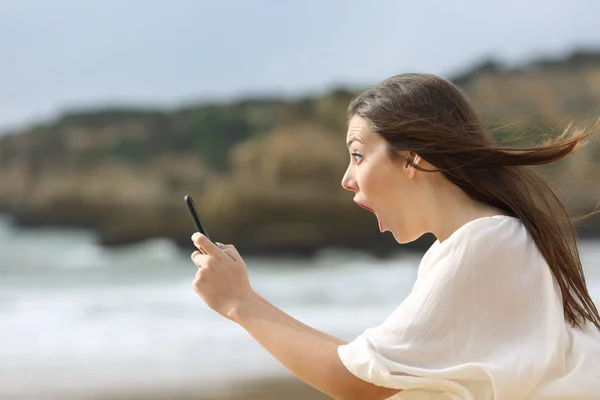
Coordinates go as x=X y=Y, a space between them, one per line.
x=258 y=389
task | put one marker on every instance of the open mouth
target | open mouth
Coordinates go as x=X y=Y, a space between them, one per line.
x=365 y=207
x=370 y=209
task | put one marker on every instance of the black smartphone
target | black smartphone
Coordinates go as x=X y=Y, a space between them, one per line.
x=189 y=203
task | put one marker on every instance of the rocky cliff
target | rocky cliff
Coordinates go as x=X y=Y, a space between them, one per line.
x=265 y=173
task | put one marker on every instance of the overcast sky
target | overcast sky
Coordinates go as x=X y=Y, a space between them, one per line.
x=58 y=54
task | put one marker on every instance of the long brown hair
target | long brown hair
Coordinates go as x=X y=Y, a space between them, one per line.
x=432 y=117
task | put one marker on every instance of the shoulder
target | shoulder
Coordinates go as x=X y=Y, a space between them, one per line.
x=485 y=243
x=489 y=235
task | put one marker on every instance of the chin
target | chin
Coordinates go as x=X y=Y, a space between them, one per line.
x=403 y=238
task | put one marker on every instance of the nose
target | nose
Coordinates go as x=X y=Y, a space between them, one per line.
x=348 y=181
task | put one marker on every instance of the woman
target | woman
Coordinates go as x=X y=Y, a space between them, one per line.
x=500 y=308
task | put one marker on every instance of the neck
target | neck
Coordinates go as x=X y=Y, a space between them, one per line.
x=451 y=209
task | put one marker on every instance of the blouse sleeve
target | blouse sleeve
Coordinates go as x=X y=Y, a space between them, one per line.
x=478 y=321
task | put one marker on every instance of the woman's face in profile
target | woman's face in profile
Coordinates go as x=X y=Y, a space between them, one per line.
x=381 y=185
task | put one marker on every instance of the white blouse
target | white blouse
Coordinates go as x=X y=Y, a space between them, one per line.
x=484 y=320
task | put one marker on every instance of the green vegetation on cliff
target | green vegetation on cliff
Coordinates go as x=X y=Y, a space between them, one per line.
x=207 y=130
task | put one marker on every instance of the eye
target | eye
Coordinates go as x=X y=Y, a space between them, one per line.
x=357 y=156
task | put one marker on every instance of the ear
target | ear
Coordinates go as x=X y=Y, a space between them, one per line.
x=415 y=160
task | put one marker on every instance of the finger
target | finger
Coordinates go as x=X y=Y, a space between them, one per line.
x=230 y=250
x=199 y=278
x=204 y=243
x=200 y=259
x=230 y=253
x=195 y=253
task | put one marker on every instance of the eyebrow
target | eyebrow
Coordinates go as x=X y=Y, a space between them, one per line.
x=354 y=140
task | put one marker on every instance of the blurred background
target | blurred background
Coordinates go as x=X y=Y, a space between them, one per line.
x=111 y=111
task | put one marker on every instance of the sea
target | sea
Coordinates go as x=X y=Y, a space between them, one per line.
x=79 y=320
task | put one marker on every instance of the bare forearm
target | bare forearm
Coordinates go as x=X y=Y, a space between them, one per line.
x=301 y=326
x=222 y=282
x=308 y=353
